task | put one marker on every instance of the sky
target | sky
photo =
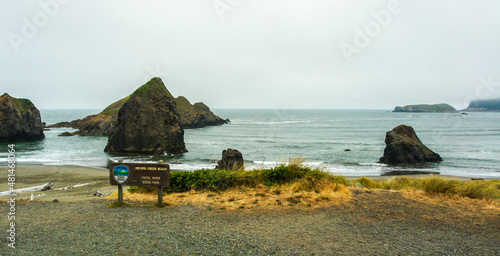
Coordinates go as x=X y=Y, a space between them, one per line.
x=230 y=54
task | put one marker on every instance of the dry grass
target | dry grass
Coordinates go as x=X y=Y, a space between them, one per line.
x=467 y=207
x=256 y=198
x=477 y=189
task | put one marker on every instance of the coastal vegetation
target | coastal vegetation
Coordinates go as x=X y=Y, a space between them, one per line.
x=295 y=173
x=284 y=185
x=297 y=185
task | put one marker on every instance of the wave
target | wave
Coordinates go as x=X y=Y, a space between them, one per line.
x=283 y=122
x=277 y=163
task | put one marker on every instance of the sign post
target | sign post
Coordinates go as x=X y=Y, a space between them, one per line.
x=139 y=174
x=120 y=194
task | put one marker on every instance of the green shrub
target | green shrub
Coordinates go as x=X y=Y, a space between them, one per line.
x=217 y=180
x=142 y=190
x=398 y=183
x=367 y=183
x=479 y=190
x=436 y=185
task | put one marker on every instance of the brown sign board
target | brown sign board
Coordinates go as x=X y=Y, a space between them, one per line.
x=139 y=174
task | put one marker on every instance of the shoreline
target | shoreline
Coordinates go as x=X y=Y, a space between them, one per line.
x=66 y=177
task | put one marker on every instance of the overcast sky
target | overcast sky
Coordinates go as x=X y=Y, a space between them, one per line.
x=344 y=54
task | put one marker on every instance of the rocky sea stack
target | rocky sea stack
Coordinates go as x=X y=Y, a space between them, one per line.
x=148 y=123
x=19 y=120
x=404 y=147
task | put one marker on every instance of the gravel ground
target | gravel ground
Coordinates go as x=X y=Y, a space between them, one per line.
x=372 y=223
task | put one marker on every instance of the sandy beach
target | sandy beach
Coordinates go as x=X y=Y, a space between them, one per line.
x=62 y=177
x=364 y=222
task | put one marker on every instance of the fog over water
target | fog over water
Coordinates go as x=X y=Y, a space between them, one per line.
x=252 y=54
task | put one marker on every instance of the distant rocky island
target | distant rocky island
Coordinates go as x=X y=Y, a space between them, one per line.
x=423 y=108
x=19 y=120
x=484 y=105
x=191 y=116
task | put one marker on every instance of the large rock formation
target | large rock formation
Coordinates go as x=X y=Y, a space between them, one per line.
x=19 y=120
x=436 y=108
x=148 y=123
x=232 y=159
x=484 y=105
x=404 y=147
x=191 y=116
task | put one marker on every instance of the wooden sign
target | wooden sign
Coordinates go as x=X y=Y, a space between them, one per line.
x=139 y=174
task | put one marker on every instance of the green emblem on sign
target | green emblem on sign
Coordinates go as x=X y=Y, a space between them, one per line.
x=121 y=173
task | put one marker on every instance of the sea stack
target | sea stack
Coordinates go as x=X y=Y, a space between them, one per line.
x=232 y=159
x=404 y=147
x=19 y=120
x=148 y=123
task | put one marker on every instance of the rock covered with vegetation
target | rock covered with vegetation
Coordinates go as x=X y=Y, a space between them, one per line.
x=436 y=108
x=191 y=116
x=484 y=105
x=404 y=147
x=232 y=159
x=148 y=123
x=19 y=120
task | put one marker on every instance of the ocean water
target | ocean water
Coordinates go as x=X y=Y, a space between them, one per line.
x=469 y=144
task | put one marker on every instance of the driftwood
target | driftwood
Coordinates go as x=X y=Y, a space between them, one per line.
x=43 y=187
x=74 y=186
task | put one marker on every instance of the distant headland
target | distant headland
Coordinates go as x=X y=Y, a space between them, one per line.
x=484 y=105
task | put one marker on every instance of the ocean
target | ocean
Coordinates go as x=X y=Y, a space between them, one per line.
x=469 y=144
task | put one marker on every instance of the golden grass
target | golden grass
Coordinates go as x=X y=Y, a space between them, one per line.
x=477 y=189
x=462 y=204
x=257 y=198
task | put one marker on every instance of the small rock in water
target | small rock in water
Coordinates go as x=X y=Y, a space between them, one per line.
x=66 y=134
x=232 y=159
x=347 y=150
